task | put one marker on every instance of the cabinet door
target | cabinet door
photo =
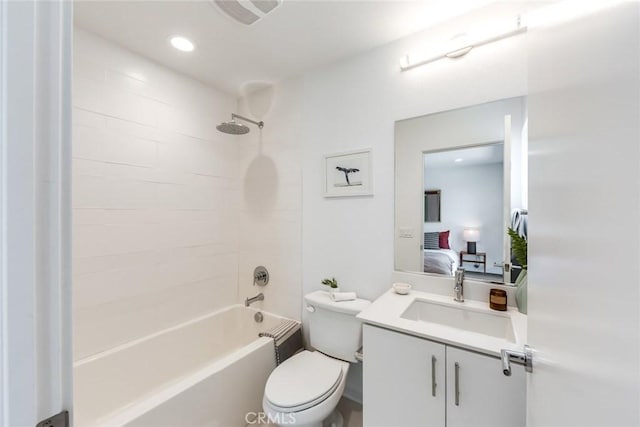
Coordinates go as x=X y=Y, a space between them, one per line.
x=403 y=380
x=485 y=396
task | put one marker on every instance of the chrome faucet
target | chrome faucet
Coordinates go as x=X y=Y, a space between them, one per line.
x=458 y=288
x=249 y=301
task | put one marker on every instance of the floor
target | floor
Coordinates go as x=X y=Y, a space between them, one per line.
x=351 y=412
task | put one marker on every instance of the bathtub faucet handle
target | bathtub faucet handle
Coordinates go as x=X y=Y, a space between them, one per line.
x=260 y=276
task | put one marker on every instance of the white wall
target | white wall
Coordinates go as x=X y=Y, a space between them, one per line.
x=354 y=104
x=156 y=193
x=270 y=217
x=471 y=197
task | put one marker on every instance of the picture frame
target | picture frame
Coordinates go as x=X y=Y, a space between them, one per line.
x=432 y=205
x=348 y=174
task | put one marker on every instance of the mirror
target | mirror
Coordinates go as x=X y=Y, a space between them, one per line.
x=460 y=183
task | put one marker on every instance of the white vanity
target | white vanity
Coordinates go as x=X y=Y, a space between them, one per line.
x=430 y=361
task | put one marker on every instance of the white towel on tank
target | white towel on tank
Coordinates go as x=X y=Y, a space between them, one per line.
x=342 y=296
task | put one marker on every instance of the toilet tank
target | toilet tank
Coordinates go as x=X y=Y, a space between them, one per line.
x=333 y=327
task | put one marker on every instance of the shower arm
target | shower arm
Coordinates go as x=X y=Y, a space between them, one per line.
x=234 y=116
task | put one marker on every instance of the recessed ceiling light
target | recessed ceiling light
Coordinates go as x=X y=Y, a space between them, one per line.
x=182 y=43
x=458 y=160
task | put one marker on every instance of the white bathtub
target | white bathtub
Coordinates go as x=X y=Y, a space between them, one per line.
x=209 y=371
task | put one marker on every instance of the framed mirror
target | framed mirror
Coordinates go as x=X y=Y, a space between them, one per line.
x=460 y=176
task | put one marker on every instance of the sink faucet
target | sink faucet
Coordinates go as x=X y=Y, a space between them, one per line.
x=458 y=288
x=249 y=301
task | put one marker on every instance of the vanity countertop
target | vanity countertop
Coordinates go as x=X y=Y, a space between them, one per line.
x=387 y=311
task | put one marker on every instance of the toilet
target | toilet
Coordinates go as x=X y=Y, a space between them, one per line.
x=306 y=388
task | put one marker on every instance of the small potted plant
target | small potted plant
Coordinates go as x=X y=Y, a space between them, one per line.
x=519 y=249
x=332 y=284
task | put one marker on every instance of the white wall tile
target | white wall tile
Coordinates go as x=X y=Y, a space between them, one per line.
x=87 y=118
x=270 y=203
x=109 y=146
x=155 y=194
x=102 y=327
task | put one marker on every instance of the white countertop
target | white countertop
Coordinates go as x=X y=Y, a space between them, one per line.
x=386 y=311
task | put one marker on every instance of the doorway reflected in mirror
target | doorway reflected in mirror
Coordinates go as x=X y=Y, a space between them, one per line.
x=471 y=183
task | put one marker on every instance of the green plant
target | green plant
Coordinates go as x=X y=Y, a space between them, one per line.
x=519 y=247
x=332 y=283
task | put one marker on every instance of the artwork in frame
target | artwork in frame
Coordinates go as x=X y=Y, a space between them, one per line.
x=348 y=174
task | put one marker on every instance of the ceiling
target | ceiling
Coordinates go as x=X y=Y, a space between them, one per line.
x=297 y=36
x=475 y=156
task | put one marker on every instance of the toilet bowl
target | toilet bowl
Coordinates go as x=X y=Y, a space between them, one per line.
x=305 y=390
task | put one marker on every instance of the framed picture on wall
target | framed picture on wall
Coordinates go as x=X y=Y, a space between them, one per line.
x=432 y=206
x=348 y=174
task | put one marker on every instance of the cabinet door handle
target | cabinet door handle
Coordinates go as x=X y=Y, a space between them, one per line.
x=457 y=374
x=433 y=376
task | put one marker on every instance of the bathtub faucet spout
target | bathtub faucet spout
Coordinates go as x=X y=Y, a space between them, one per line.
x=249 y=301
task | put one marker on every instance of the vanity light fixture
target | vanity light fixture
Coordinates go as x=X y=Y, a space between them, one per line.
x=461 y=45
x=556 y=13
x=182 y=43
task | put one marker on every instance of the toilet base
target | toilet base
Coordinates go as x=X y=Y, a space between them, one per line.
x=334 y=420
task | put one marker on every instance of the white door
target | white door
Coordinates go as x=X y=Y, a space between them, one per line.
x=404 y=380
x=480 y=395
x=35 y=166
x=584 y=213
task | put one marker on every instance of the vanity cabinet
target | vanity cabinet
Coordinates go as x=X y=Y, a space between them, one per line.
x=403 y=380
x=486 y=397
x=410 y=381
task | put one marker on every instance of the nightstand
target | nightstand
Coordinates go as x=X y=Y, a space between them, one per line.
x=477 y=258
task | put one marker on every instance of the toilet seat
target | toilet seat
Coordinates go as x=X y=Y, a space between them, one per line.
x=303 y=381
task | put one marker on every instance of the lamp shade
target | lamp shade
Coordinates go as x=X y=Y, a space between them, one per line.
x=471 y=234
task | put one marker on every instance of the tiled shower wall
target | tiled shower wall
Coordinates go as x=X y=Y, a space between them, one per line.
x=156 y=194
x=270 y=215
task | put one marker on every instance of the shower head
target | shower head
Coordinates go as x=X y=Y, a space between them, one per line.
x=234 y=128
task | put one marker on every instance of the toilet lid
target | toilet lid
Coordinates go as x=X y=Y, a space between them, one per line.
x=302 y=379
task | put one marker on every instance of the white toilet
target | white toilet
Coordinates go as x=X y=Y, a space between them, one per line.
x=305 y=389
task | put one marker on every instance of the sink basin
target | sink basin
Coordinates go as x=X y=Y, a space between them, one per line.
x=468 y=320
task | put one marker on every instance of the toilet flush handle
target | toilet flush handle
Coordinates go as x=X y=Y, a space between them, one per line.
x=310 y=308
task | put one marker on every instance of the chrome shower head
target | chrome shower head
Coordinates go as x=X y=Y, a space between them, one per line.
x=234 y=128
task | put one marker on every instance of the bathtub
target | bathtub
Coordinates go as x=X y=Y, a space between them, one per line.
x=209 y=371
